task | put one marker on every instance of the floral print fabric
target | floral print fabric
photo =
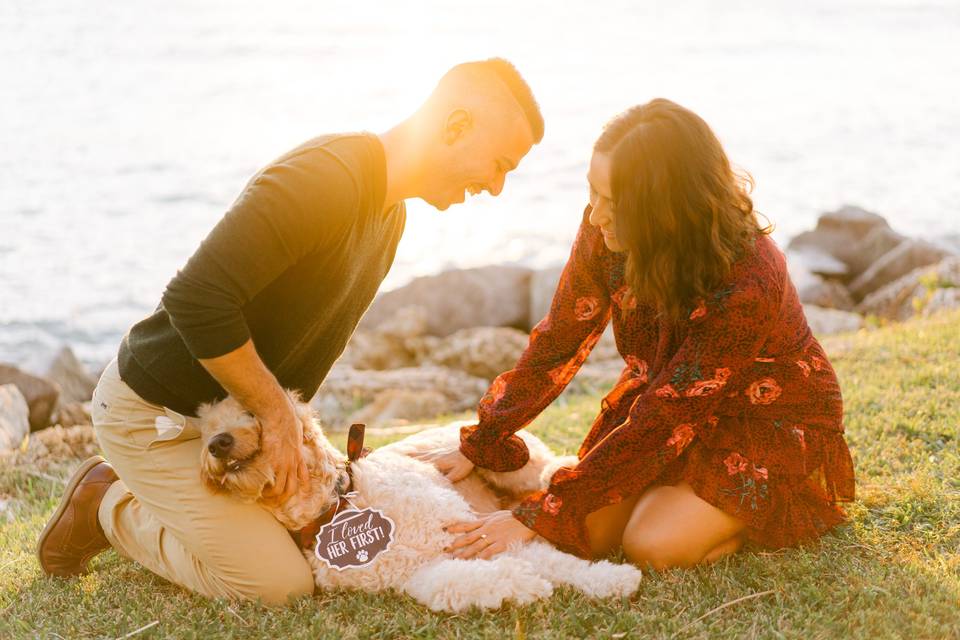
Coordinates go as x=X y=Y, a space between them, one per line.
x=738 y=399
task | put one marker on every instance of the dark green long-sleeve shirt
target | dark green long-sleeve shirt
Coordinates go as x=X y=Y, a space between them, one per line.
x=293 y=265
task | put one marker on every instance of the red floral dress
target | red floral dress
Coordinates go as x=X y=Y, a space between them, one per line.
x=738 y=399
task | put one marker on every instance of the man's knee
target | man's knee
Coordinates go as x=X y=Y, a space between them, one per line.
x=278 y=587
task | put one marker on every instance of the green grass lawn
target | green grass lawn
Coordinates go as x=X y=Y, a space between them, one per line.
x=893 y=572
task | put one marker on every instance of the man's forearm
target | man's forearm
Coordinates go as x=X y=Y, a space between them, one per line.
x=244 y=375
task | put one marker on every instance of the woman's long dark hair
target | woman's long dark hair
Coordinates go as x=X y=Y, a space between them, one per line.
x=680 y=211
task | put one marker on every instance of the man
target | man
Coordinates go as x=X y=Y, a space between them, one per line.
x=268 y=302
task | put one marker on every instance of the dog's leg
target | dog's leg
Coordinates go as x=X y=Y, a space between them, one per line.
x=533 y=476
x=454 y=585
x=602 y=579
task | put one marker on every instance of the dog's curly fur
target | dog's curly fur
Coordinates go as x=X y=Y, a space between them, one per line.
x=419 y=499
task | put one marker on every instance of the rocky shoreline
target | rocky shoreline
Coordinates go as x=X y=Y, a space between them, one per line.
x=433 y=346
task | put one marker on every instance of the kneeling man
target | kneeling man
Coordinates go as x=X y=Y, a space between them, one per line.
x=267 y=302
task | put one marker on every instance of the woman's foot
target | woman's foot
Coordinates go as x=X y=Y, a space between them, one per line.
x=73 y=535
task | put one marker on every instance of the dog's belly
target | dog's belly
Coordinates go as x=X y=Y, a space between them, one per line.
x=478 y=494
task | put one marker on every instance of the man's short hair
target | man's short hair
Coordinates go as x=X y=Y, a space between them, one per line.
x=504 y=71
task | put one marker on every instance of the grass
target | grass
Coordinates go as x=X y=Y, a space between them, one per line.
x=893 y=572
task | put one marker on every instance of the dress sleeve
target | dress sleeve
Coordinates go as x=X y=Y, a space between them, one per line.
x=558 y=345
x=285 y=212
x=715 y=359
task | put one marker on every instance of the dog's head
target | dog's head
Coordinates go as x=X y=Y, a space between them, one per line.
x=231 y=460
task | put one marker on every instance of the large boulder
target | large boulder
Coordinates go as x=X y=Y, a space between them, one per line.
x=402 y=406
x=493 y=296
x=909 y=294
x=386 y=346
x=904 y=258
x=873 y=246
x=74 y=413
x=14 y=417
x=817 y=261
x=375 y=350
x=817 y=288
x=823 y=292
x=346 y=390
x=839 y=234
x=942 y=300
x=543 y=284
x=484 y=352
x=41 y=394
x=62 y=367
x=824 y=322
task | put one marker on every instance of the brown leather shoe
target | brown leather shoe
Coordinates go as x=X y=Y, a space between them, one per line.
x=73 y=535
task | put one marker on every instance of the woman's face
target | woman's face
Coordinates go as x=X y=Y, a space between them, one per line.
x=601 y=199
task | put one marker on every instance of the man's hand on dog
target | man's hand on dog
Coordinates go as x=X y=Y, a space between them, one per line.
x=453 y=464
x=487 y=536
x=282 y=436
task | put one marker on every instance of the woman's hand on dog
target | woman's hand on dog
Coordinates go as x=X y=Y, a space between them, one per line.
x=282 y=436
x=453 y=464
x=490 y=534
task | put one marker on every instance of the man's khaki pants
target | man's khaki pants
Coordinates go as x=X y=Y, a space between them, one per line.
x=161 y=516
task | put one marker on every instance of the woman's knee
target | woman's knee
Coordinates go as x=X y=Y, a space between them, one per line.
x=647 y=549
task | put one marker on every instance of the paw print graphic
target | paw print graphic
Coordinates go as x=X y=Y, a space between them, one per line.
x=362 y=555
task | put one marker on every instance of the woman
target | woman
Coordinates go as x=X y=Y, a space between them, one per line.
x=726 y=423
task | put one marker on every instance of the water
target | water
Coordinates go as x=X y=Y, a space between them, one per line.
x=127 y=128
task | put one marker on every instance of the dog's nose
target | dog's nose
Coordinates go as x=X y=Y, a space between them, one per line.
x=220 y=445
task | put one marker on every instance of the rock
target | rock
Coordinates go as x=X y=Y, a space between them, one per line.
x=375 y=350
x=14 y=417
x=903 y=297
x=400 y=406
x=493 y=296
x=407 y=322
x=484 y=352
x=949 y=242
x=63 y=368
x=824 y=322
x=838 y=234
x=41 y=394
x=813 y=288
x=942 y=300
x=74 y=413
x=598 y=376
x=818 y=262
x=543 y=284
x=904 y=258
x=606 y=348
x=828 y=294
x=877 y=243
x=346 y=389
x=386 y=347
x=58 y=445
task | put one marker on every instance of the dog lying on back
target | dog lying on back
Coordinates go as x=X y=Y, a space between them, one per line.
x=419 y=500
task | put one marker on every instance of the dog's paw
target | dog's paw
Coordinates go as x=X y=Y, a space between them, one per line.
x=607 y=580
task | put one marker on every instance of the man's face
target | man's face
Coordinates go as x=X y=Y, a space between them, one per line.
x=475 y=155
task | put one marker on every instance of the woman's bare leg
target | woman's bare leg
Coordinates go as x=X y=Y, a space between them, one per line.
x=670 y=526
x=606 y=526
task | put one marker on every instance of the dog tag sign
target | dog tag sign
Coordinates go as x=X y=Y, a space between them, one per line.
x=354 y=538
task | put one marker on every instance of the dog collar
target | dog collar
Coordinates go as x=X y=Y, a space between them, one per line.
x=355 y=450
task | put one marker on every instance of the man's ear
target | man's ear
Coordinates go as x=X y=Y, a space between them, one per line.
x=458 y=123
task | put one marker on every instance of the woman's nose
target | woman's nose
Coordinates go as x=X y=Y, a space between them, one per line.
x=497 y=185
x=598 y=215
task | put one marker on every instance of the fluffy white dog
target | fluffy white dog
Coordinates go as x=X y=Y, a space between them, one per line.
x=418 y=500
